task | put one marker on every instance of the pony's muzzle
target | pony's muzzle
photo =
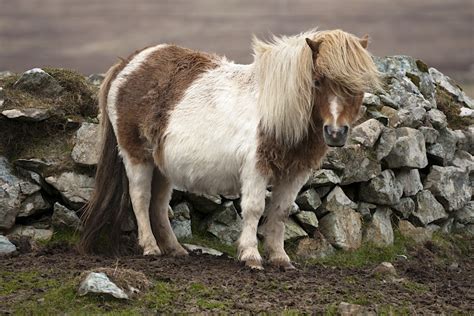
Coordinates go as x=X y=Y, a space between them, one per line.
x=335 y=136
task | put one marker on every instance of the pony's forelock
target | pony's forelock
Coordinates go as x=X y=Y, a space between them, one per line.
x=284 y=70
x=344 y=61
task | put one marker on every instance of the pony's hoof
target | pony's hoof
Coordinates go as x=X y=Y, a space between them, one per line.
x=254 y=264
x=152 y=251
x=179 y=252
x=283 y=265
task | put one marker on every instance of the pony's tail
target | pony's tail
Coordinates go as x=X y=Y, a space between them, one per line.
x=110 y=202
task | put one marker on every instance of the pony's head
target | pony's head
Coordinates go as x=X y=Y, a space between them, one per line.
x=325 y=72
x=342 y=71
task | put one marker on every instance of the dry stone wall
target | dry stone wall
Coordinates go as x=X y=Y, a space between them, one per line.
x=408 y=165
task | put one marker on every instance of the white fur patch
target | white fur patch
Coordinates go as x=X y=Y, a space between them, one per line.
x=212 y=132
x=122 y=77
x=335 y=108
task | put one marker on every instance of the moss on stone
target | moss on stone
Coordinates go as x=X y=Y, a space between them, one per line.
x=451 y=108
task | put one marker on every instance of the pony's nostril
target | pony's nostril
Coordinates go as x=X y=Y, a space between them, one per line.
x=345 y=129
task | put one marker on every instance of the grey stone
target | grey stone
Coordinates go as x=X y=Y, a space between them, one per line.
x=99 y=283
x=398 y=65
x=75 y=188
x=182 y=211
x=378 y=115
x=418 y=234
x=430 y=134
x=466 y=112
x=450 y=185
x=323 y=177
x=2 y=97
x=463 y=160
x=383 y=189
x=27 y=115
x=391 y=115
x=37 y=234
x=38 y=81
x=337 y=200
x=33 y=204
x=354 y=162
x=343 y=229
x=293 y=230
x=379 y=231
x=384 y=145
x=6 y=247
x=65 y=218
x=461 y=139
x=413 y=117
x=405 y=207
x=442 y=152
x=410 y=181
x=201 y=249
x=225 y=224
x=428 y=209
x=307 y=220
x=181 y=228
x=406 y=94
x=181 y=222
x=16 y=196
x=385 y=269
x=437 y=119
x=409 y=150
x=466 y=214
x=86 y=151
x=367 y=133
x=428 y=88
x=450 y=86
x=314 y=248
x=371 y=100
x=386 y=100
x=323 y=191
x=204 y=203
x=96 y=79
x=308 y=200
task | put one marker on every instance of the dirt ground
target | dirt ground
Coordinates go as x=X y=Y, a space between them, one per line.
x=200 y=283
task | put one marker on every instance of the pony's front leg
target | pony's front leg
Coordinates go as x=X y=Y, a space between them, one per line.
x=252 y=204
x=139 y=180
x=283 y=195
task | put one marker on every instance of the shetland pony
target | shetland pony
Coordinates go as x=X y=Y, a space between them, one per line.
x=177 y=118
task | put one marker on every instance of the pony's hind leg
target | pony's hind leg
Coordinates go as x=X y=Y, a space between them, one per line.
x=252 y=204
x=160 y=198
x=283 y=195
x=139 y=176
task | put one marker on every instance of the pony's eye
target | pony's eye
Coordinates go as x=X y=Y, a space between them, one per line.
x=318 y=82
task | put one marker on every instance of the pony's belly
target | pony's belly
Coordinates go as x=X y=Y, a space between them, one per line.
x=202 y=174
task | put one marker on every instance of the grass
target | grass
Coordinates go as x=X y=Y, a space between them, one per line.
x=56 y=296
x=366 y=255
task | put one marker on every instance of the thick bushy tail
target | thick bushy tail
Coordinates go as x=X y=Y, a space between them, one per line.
x=110 y=203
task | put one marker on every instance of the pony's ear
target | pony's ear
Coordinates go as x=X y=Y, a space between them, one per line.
x=364 y=41
x=313 y=45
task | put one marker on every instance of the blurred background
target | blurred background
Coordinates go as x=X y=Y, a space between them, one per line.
x=88 y=35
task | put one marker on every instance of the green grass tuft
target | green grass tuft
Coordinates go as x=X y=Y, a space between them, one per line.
x=367 y=254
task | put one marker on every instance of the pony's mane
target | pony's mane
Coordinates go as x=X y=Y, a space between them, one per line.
x=284 y=69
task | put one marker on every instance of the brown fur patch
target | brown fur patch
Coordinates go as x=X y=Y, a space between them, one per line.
x=146 y=99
